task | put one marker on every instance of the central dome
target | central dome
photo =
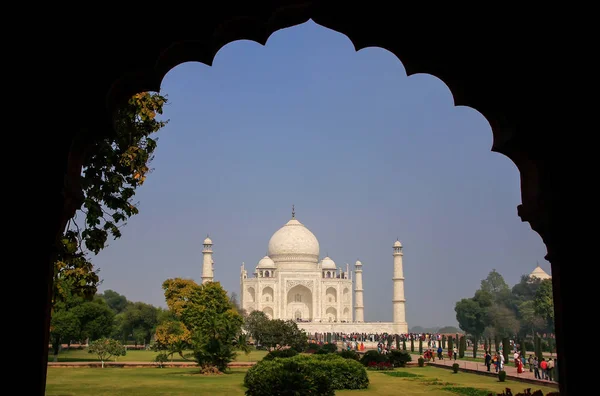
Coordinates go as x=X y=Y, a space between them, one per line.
x=294 y=242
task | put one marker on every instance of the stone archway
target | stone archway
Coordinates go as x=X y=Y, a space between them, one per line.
x=299 y=299
x=268 y=311
x=497 y=85
x=250 y=294
x=267 y=294
x=331 y=295
x=331 y=314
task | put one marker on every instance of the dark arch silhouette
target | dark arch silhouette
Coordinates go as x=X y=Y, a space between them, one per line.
x=497 y=67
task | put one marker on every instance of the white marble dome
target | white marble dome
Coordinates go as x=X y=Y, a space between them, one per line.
x=328 y=263
x=294 y=242
x=208 y=241
x=397 y=244
x=266 y=262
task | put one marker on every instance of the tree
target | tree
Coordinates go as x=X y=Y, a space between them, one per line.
x=277 y=333
x=503 y=320
x=139 y=320
x=207 y=312
x=255 y=324
x=463 y=347
x=446 y=329
x=115 y=167
x=115 y=301
x=74 y=275
x=526 y=288
x=173 y=337
x=178 y=292
x=65 y=325
x=471 y=318
x=544 y=303
x=112 y=169
x=106 y=348
x=494 y=284
x=95 y=320
x=233 y=298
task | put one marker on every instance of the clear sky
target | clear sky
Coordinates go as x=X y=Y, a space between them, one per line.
x=366 y=154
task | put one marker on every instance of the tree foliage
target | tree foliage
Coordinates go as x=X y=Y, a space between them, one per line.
x=255 y=325
x=496 y=311
x=544 y=303
x=105 y=348
x=112 y=170
x=115 y=301
x=74 y=274
x=208 y=314
x=117 y=166
x=178 y=292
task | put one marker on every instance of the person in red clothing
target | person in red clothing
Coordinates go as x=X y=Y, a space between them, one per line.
x=519 y=363
x=544 y=368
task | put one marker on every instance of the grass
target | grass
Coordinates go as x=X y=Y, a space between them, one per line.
x=82 y=355
x=172 y=381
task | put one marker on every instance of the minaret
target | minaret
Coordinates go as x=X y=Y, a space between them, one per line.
x=207 y=263
x=399 y=301
x=359 y=308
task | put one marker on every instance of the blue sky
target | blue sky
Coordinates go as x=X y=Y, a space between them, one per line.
x=365 y=153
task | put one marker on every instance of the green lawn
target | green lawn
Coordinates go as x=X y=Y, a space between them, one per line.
x=173 y=381
x=83 y=355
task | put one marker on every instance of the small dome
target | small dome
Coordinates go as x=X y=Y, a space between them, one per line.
x=208 y=241
x=397 y=244
x=358 y=263
x=266 y=262
x=328 y=263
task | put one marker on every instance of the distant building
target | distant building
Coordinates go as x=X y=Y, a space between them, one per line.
x=539 y=273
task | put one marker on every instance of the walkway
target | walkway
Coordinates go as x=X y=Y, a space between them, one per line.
x=138 y=364
x=511 y=370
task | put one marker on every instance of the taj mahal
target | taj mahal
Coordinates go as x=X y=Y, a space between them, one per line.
x=292 y=283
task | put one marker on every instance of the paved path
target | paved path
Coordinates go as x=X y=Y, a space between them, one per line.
x=511 y=370
x=138 y=364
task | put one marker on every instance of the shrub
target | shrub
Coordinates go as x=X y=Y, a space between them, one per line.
x=285 y=376
x=455 y=367
x=282 y=353
x=502 y=376
x=313 y=348
x=329 y=348
x=373 y=356
x=421 y=362
x=346 y=354
x=160 y=359
x=324 y=374
x=380 y=366
x=399 y=358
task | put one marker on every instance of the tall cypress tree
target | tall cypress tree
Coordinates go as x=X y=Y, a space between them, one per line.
x=450 y=344
x=404 y=345
x=412 y=345
x=443 y=342
x=538 y=347
x=505 y=348
x=462 y=347
x=420 y=346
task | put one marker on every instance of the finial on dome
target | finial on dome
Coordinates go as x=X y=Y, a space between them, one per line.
x=293 y=212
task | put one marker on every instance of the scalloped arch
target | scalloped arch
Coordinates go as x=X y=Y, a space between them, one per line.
x=259 y=26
